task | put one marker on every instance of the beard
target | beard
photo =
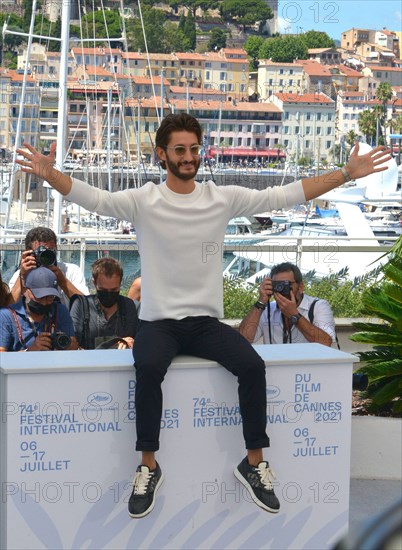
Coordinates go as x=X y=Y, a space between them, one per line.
x=174 y=168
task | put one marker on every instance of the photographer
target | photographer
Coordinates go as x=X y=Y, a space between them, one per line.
x=105 y=319
x=294 y=317
x=37 y=322
x=41 y=250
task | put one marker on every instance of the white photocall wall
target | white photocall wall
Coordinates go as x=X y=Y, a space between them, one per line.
x=68 y=459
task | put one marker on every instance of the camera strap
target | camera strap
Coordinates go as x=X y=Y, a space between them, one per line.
x=311 y=319
x=18 y=327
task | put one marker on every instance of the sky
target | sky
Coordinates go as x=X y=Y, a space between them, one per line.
x=335 y=16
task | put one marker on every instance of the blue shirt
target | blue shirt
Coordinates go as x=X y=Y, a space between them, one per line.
x=9 y=338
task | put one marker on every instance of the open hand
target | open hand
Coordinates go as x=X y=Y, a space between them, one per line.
x=373 y=161
x=38 y=164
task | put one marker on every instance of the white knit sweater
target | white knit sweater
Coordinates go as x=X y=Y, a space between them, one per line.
x=180 y=238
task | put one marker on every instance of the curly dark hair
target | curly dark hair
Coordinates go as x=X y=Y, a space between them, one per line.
x=40 y=234
x=176 y=123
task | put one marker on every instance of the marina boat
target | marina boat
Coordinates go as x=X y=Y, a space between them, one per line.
x=329 y=245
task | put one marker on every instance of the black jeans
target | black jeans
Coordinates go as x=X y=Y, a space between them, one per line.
x=158 y=342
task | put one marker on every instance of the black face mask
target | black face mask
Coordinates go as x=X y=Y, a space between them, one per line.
x=107 y=298
x=37 y=308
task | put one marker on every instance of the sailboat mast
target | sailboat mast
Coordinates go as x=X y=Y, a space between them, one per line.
x=19 y=121
x=62 y=113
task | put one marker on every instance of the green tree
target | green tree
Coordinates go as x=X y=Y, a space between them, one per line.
x=193 y=5
x=245 y=12
x=174 y=38
x=283 y=49
x=368 y=125
x=182 y=22
x=14 y=23
x=27 y=14
x=383 y=364
x=351 y=137
x=190 y=31
x=317 y=39
x=384 y=93
x=102 y=24
x=396 y=125
x=217 y=39
x=154 y=20
x=252 y=47
x=56 y=46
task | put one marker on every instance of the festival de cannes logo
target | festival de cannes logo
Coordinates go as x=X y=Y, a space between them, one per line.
x=100 y=398
x=272 y=392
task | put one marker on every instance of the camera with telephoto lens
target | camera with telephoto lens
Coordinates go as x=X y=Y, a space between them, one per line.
x=60 y=340
x=45 y=256
x=281 y=287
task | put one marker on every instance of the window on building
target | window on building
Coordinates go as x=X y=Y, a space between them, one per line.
x=307 y=144
x=328 y=144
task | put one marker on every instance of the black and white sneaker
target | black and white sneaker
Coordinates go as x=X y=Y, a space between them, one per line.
x=258 y=480
x=146 y=483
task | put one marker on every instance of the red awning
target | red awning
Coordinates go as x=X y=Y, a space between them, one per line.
x=240 y=152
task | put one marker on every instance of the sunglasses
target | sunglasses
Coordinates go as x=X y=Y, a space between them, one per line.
x=180 y=150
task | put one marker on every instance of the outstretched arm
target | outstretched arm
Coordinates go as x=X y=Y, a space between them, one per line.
x=357 y=167
x=43 y=167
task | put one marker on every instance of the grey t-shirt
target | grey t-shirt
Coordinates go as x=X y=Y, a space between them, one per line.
x=124 y=322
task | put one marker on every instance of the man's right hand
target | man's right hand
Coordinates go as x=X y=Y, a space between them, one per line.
x=43 y=166
x=265 y=291
x=42 y=342
x=28 y=263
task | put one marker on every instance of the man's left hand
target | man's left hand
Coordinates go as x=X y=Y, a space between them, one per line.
x=373 y=161
x=287 y=306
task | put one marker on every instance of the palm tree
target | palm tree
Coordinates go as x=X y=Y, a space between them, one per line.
x=396 y=125
x=383 y=364
x=368 y=125
x=351 y=137
x=384 y=94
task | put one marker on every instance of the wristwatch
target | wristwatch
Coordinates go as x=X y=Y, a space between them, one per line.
x=294 y=319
